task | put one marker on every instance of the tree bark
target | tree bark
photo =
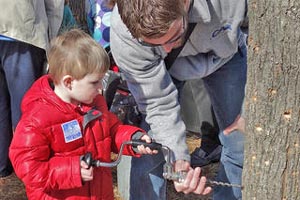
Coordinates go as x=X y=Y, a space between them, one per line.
x=272 y=103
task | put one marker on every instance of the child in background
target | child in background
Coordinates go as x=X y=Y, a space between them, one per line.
x=63 y=118
x=98 y=20
x=68 y=21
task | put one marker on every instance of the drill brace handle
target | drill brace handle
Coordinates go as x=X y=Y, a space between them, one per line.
x=97 y=163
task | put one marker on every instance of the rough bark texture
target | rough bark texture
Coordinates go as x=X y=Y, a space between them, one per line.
x=272 y=104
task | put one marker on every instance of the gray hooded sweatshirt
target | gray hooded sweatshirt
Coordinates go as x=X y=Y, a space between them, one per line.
x=213 y=42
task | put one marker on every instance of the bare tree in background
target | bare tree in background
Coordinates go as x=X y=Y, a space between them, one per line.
x=272 y=106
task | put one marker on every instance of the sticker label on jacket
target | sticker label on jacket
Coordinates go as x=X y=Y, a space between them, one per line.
x=71 y=131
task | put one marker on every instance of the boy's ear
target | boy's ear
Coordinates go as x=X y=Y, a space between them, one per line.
x=67 y=81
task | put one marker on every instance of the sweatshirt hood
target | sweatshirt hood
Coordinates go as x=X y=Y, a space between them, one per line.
x=202 y=14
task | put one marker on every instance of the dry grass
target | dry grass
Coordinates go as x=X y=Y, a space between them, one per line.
x=11 y=188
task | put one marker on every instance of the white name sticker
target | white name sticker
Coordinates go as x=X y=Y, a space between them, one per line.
x=71 y=131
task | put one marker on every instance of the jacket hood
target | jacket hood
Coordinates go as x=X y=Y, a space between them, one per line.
x=41 y=94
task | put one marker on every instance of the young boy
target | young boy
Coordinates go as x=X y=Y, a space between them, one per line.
x=63 y=118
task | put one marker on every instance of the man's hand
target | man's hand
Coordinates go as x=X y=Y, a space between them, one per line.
x=193 y=182
x=238 y=124
x=146 y=150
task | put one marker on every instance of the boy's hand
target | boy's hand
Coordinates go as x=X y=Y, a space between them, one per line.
x=193 y=181
x=146 y=150
x=86 y=172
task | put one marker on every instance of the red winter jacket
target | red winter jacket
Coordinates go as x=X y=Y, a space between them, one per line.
x=52 y=135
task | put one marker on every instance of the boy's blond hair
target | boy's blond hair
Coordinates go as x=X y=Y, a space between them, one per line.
x=77 y=54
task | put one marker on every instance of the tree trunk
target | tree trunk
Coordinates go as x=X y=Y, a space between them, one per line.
x=272 y=104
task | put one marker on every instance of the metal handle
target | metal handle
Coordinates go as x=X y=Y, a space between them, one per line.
x=90 y=162
x=152 y=145
x=87 y=158
x=168 y=172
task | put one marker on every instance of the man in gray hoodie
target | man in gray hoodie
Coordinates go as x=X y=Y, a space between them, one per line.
x=143 y=32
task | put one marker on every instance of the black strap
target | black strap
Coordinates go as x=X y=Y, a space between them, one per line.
x=171 y=57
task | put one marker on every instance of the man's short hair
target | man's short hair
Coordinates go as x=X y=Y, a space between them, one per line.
x=150 y=18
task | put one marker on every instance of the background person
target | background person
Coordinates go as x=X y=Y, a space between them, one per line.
x=26 y=28
x=68 y=21
x=98 y=20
